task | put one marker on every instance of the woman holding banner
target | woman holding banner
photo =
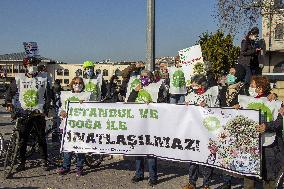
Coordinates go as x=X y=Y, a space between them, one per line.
x=273 y=151
x=138 y=95
x=77 y=87
x=197 y=96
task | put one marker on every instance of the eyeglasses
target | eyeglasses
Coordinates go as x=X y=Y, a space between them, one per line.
x=78 y=83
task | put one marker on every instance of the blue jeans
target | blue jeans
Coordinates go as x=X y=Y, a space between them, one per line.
x=152 y=165
x=177 y=98
x=205 y=171
x=67 y=160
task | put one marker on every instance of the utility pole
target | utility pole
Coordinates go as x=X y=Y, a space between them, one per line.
x=150 y=51
x=269 y=41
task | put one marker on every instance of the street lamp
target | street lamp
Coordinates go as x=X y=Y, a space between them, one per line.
x=150 y=51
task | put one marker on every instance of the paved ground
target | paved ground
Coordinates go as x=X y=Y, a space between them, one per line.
x=112 y=173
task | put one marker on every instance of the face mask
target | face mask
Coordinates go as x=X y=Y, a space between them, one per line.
x=89 y=72
x=32 y=69
x=231 y=79
x=77 y=87
x=145 y=80
x=252 y=92
x=157 y=79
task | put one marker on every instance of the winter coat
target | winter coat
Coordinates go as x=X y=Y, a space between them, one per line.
x=112 y=93
x=248 y=55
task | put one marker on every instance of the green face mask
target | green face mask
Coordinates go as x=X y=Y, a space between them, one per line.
x=231 y=79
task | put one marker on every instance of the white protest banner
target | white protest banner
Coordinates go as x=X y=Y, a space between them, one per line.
x=69 y=96
x=177 y=81
x=31 y=92
x=191 y=55
x=270 y=108
x=31 y=49
x=222 y=138
x=210 y=97
x=192 y=62
x=150 y=92
x=94 y=86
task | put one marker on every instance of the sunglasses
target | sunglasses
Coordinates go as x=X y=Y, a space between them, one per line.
x=78 y=83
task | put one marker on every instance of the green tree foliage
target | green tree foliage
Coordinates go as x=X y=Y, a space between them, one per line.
x=218 y=51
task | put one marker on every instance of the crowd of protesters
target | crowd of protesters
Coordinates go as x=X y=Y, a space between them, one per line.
x=242 y=79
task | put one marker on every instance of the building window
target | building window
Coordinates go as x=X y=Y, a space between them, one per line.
x=60 y=81
x=79 y=72
x=118 y=72
x=98 y=71
x=8 y=69
x=16 y=69
x=59 y=72
x=22 y=69
x=279 y=31
x=105 y=72
x=66 y=72
x=66 y=81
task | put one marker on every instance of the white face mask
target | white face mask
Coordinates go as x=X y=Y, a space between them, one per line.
x=32 y=69
x=77 y=88
x=252 y=92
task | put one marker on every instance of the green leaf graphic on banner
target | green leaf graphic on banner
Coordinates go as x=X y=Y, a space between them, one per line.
x=31 y=98
x=91 y=87
x=143 y=97
x=211 y=123
x=71 y=99
x=264 y=109
x=178 y=79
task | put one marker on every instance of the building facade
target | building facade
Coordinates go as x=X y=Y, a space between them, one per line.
x=11 y=64
x=273 y=35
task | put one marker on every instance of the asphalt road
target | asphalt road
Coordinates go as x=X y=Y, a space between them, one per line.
x=112 y=173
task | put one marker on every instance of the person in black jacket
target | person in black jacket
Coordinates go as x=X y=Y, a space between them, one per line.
x=112 y=90
x=249 y=54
